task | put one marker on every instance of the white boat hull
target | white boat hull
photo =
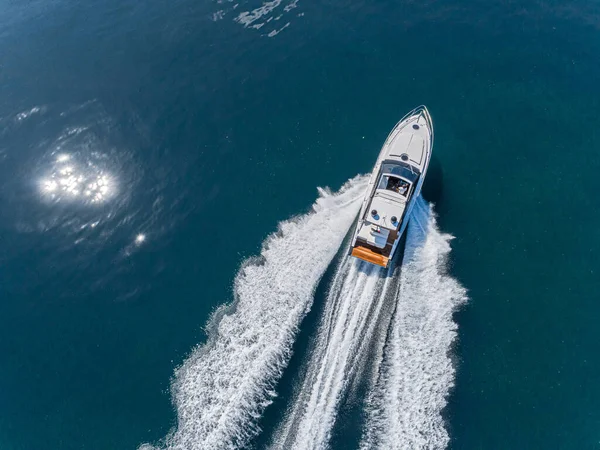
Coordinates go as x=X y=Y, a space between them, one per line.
x=395 y=184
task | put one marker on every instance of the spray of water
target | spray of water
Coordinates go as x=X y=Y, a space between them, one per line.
x=416 y=372
x=413 y=373
x=348 y=325
x=223 y=387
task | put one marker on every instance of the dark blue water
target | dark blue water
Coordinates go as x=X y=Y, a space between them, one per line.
x=209 y=132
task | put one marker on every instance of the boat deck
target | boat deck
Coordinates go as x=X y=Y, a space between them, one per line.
x=374 y=255
x=369 y=255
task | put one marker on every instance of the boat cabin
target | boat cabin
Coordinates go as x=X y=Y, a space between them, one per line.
x=394 y=188
x=394 y=183
x=397 y=174
x=385 y=213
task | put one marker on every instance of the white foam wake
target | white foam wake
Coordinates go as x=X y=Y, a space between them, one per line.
x=223 y=387
x=416 y=373
x=348 y=326
x=413 y=374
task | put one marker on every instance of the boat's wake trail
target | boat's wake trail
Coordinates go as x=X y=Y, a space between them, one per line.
x=414 y=370
x=348 y=327
x=221 y=390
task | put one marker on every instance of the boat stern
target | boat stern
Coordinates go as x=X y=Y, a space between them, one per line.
x=368 y=255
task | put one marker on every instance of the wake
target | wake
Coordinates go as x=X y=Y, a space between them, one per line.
x=222 y=389
x=353 y=305
x=416 y=372
x=413 y=373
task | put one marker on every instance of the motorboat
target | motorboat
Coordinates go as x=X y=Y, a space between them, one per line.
x=395 y=184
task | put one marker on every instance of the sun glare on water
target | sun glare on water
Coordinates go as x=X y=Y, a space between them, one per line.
x=68 y=180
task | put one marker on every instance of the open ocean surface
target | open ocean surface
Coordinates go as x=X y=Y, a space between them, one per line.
x=149 y=149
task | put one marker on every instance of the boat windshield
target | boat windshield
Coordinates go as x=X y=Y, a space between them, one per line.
x=392 y=183
x=403 y=171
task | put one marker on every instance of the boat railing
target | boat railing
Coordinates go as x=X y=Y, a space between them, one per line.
x=422 y=109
